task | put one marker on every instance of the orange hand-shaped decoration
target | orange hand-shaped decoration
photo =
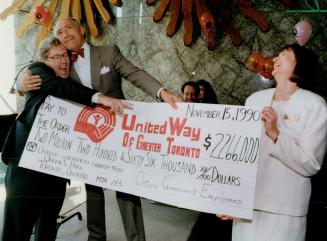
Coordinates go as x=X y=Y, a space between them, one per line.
x=261 y=65
x=207 y=24
x=40 y=14
x=206 y=12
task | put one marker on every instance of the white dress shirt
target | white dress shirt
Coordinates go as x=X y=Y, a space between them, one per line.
x=83 y=70
x=83 y=66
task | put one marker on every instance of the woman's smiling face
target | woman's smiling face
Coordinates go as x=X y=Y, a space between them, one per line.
x=284 y=64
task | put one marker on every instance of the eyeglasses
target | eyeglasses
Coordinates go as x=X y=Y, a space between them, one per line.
x=57 y=58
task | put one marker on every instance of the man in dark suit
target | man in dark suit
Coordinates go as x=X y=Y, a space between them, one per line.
x=106 y=66
x=34 y=198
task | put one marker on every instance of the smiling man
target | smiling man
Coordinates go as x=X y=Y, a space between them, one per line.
x=34 y=199
x=103 y=68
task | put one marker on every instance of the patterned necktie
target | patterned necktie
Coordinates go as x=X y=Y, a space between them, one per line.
x=74 y=55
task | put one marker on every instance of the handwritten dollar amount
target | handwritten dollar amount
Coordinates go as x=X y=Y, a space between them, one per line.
x=235 y=147
x=240 y=114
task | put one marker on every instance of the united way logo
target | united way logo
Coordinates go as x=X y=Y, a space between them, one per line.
x=97 y=123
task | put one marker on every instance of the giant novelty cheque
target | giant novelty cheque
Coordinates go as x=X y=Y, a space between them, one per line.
x=201 y=156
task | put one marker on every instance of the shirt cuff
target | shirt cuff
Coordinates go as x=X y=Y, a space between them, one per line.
x=18 y=88
x=95 y=98
x=158 y=94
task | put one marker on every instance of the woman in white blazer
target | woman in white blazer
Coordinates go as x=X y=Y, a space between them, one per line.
x=292 y=149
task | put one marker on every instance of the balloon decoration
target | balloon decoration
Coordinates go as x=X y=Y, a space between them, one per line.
x=40 y=14
x=266 y=68
x=302 y=32
x=254 y=61
x=261 y=65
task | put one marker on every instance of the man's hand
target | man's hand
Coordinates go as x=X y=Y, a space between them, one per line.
x=269 y=118
x=29 y=82
x=225 y=217
x=169 y=98
x=114 y=104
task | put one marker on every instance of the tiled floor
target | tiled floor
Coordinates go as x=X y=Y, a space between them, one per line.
x=162 y=223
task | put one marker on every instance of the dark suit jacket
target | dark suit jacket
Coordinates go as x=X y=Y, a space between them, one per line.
x=51 y=85
x=5 y=124
x=110 y=83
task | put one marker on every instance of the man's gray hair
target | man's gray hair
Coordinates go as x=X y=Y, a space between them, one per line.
x=71 y=19
x=46 y=45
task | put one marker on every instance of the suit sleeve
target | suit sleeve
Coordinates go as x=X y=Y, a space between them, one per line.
x=305 y=154
x=136 y=76
x=61 y=88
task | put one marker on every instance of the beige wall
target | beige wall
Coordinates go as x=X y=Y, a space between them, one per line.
x=7 y=62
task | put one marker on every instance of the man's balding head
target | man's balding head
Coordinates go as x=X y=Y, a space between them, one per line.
x=70 y=33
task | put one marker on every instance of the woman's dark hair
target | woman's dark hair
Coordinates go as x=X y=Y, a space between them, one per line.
x=307 y=74
x=210 y=96
x=193 y=84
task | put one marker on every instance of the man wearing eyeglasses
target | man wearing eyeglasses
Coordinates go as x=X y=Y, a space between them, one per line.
x=34 y=199
x=102 y=68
